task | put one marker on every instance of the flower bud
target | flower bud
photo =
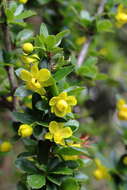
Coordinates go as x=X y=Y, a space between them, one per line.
x=25 y=130
x=5 y=146
x=27 y=48
x=98 y=174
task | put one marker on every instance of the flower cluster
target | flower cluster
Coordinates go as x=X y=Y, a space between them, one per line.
x=122 y=109
x=36 y=80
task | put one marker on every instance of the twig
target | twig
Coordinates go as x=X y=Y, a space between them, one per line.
x=9 y=69
x=85 y=48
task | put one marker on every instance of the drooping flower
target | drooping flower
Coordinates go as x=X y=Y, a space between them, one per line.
x=62 y=104
x=5 y=146
x=25 y=130
x=36 y=79
x=121 y=16
x=57 y=132
x=101 y=172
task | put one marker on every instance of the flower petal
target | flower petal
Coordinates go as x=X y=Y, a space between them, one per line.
x=43 y=75
x=63 y=95
x=71 y=100
x=66 y=132
x=53 y=127
x=34 y=70
x=48 y=136
x=25 y=75
x=53 y=101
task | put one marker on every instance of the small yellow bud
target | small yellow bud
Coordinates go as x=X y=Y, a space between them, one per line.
x=98 y=174
x=27 y=48
x=62 y=105
x=25 y=130
x=23 y=1
x=9 y=98
x=5 y=146
x=125 y=160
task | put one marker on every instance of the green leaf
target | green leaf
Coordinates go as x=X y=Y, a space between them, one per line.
x=44 y=30
x=90 y=61
x=51 y=186
x=19 y=10
x=36 y=181
x=74 y=90
x=24 y=117
x=60 y=35
x=26 y=165
x=72 y=151
x=42 y=2
x=70 y=184
x=50 y=42
x=25 y=14
x=101 y=76
x=63 y=72
x=74 y=124
x=24 y=35
x=42 y=105
x=29 y=142
x=22 y=92
x=104 y=25
x=63 y=171
x=54 y=180
x=88 y=71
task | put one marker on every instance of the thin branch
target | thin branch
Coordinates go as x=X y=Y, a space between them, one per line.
x=85 y=48
x=8 y=48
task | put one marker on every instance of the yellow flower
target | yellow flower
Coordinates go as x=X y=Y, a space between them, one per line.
x=58 y=132
x=36 y=79
x=101 y=172
x=30 y=59
x=122 y=113
x=23 y=1
x=81 y=40
x=27 y=48
x=62 y=104
x=121 y=16
x=5 y=146
x=121 y=102
x=25 y=130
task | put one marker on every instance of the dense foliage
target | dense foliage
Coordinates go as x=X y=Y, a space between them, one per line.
x=63 y=108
